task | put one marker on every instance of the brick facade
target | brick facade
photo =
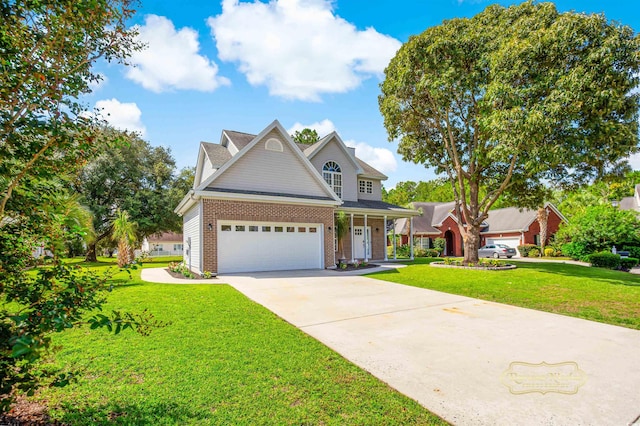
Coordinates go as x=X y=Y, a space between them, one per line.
x=378 y=240
x=214 y=210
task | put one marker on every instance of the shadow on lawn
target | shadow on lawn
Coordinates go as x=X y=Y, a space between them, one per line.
x=597 y=274
x=132 y=414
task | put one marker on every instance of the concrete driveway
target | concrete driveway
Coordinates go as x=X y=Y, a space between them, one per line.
x=471 y=362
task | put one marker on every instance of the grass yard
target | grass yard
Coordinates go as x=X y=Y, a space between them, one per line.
x=223 y=360
x=596 y=294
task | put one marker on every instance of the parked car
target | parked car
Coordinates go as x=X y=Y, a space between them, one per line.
x=496 y=251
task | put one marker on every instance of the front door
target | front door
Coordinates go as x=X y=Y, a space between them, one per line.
x=359 y=240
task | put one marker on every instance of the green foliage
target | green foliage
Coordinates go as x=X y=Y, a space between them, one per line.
x=439 y=244
x=432 y=253
x=419 y=252
x=604 y=259
x=124 y=233
x=534 y=252
x=525 y=250
x=49 y=48
x=634 y=250
x=598 y=228
x=305 y=136
x=575 y=250
x=627 y=263
x=512 y=98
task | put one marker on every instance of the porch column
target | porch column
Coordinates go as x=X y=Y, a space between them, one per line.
x=352 y=237
x=394 y=239
x=385 y=238
x=411 y=238
x=366 y=240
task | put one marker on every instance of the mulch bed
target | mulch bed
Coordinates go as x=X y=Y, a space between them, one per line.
x=25 y=413
x=180 y=276
x=350 y=267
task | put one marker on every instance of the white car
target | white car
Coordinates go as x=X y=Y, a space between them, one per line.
x=496 y=251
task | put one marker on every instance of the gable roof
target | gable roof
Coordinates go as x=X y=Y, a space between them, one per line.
x=239 y=139
x=216 y=153
x=432 y=215
x=317 y=147
x=631 y=203
x=275 y=125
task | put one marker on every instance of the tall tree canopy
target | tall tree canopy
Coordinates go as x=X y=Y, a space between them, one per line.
x=130 y=175
x=511 y=98
x=306 y=136
x=47 y=49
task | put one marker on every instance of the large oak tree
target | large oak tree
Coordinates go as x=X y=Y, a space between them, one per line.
x=511 y=99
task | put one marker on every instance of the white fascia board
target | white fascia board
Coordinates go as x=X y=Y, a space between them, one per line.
x=342 y=146
x=264 y=198
x=185 y=204
x=377 y=177
x=202 y=157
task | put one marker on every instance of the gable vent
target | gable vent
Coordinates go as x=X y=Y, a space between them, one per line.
x=273 y=145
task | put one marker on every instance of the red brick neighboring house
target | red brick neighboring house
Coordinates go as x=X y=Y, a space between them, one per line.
x=510 y=226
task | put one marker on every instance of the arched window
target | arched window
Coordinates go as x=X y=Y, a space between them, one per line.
x=332 y=174
x=273 y=145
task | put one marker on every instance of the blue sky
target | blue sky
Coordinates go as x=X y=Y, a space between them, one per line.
x=214 y=65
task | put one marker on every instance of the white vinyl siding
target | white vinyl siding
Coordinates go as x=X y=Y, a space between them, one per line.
x=376 y=190
x=332 y=152
x=192 y=230
x=271 y=171
x=207 y=170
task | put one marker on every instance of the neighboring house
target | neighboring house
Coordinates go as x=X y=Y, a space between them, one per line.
x=262 y=202
x=510 y=226
x=631 y=203
x=165 y=244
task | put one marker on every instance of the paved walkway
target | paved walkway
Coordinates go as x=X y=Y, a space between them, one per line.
x=453 y=354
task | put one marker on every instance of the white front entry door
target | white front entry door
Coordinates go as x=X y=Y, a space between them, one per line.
x=269 y=246
x=359 y=242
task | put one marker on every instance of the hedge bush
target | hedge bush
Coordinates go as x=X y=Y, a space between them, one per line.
x=576 y=251
x=534 y=252
x=525 y=249
x=628 y=262
x=634 y=251
x=604 y=259
x=549 y=252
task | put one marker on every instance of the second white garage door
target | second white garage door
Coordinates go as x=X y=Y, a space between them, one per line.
x=268 y=246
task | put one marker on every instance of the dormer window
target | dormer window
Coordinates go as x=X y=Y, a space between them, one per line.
x=332 y=174
x=365 y=186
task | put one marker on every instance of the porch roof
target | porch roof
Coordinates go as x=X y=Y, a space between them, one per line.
x=378 y=208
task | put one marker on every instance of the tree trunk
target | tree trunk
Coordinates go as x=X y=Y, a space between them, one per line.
x=91 y=253
x=543 y=218
x=471 y=239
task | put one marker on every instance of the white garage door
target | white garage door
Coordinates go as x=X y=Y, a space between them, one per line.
x=511 y=242
x=268 y=246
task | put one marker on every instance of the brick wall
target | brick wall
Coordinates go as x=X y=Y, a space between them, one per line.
x=214 y=210
x=378 y=241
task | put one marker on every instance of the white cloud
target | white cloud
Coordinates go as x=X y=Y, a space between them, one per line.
x=323 y=127
x=171 y=59
x=298 y=48
x=123 y=116
x=380 y=158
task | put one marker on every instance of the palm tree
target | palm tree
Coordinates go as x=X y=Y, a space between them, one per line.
x=543 y=218
x=342 y=227
x=124 y=232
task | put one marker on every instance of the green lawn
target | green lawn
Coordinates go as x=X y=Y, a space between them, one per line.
x=223 y=360
x=612 y=297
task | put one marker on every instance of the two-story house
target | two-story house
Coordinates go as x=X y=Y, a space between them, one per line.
x=262 y=203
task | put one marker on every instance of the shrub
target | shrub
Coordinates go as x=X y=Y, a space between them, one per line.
x=432 y=253
x=604 y=259
x=627 y=263
x=439 y=244
x=534 y=252
x=526 y=249
x=419 y=252
x=634 y=251
x=574 y=250
x=549 y=252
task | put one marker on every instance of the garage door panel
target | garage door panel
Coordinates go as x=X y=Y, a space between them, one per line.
x=513 y=242
x=262 y=246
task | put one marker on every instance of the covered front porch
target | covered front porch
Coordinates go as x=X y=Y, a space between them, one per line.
x=366 y=236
